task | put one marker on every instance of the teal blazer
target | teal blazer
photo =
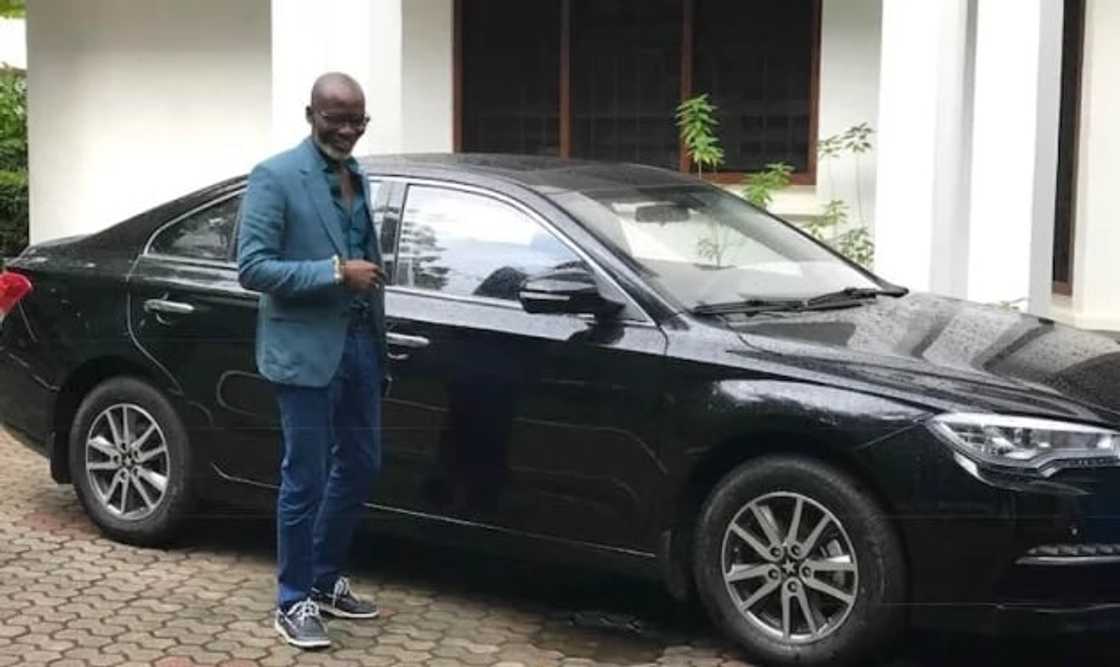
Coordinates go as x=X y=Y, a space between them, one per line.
x=288 y=234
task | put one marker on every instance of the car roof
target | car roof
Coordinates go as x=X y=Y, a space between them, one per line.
x=547 y=175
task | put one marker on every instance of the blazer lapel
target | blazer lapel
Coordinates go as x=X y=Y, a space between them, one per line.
x=320 y=196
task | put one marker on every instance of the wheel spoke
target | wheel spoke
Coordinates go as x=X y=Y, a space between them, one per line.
x=794 y=523
x=752 y=541
x=763 y=591
x=126 y=428
x=126 y=484
x=832 y=564
x=787 y=613
x=102 y=465
x=803 y=602
x=151 y=454
x=820 y=586
x=158 y=481
x=113 y=428
x=769 y=526
x=143 y=439
x=102 y=446
x=107 y=497
x=811 y=541
x=741 y=572
x=143 y=494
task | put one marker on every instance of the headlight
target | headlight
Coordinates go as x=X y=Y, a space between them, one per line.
x=1040 y=445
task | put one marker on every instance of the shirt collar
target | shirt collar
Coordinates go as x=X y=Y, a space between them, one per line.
x=326 y=164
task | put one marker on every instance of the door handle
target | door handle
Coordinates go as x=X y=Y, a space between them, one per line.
x=409 y=342
x=168 y=307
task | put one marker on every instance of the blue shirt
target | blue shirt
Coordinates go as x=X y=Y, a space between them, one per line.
x=355 y=221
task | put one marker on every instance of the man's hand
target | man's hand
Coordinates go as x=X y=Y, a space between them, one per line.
x=360 y=275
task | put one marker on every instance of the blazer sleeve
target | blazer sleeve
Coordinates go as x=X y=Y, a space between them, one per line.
x=260 y=266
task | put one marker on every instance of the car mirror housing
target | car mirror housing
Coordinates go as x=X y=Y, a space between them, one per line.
x=570 y=290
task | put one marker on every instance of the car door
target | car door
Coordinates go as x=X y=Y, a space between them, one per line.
x=543 y=424
x=188 y=313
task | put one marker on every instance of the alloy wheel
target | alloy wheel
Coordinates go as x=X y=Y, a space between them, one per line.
x=790 y=567
x=127 y=461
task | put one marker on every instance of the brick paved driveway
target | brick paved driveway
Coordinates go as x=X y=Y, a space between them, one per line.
x=71 y=597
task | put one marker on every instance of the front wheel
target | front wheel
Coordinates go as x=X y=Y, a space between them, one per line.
x=130 y=462
x=799 y=564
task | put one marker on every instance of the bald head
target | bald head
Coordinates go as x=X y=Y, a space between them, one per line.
x=337 y=114
x=334 y=85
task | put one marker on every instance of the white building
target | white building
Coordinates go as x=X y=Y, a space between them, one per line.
x=989 y=113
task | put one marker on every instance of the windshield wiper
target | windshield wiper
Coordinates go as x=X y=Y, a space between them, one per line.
x=854 y=294
x=748 y=306
x=845 y=297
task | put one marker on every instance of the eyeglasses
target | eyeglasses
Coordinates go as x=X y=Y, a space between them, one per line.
x=340 y=119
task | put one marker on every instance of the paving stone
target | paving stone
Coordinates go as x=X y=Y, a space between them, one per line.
x=79 y=599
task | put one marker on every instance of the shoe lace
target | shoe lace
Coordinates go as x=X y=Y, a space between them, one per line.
x=304 y=610
x=341 y=588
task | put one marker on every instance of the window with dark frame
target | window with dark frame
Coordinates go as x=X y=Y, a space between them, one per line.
x=1073 y=40
x=601 y=79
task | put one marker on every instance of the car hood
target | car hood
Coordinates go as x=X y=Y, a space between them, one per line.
x=951 y=355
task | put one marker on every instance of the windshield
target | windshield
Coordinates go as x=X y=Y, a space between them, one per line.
x=703 y=246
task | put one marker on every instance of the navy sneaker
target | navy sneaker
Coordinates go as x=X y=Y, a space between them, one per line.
x=341 y=602
x=302 y=626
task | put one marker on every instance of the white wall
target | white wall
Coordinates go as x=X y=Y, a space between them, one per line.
x=13 y=43
x=851 y=31
x=1096 y=269
x=133 y=103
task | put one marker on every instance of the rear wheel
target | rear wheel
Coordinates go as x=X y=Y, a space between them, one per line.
x=799 y=564
x=130 y=462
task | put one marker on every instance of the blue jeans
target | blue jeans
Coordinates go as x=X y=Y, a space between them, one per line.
x=332 y=454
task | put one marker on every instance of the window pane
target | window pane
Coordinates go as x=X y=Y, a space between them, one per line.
x=204 y=235
x=626 y=80
x=511 y=76
x=471 y=245
x=755 y=60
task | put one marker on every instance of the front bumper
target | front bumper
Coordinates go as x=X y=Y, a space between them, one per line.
x=1031 y=558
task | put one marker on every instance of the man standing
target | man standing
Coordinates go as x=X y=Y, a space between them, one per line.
x=306 y=242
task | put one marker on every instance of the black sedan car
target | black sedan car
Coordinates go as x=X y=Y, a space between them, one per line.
x=619 y=365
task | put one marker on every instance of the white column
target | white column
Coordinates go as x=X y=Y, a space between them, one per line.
x=426 y=74
x=400 y=52
x=1096 y=255
x=923 y=145
x=1015 y=151
x=308 y=39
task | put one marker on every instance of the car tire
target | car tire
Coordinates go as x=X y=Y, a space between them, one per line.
x=130 y=462
x=855 y=583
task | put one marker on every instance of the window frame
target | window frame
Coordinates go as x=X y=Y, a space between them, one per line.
x=230 y=259
x=688 y=29
x=540 y=220
x=1069 y=146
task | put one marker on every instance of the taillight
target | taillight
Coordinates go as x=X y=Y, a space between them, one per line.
x=13 y=287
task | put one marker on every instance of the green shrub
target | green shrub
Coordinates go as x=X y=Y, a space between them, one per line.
x=13 y=162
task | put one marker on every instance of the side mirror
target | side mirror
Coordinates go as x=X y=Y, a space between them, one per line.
x=570 y=290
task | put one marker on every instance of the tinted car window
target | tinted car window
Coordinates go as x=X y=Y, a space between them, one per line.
x=468 y=244
x=206 y=234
